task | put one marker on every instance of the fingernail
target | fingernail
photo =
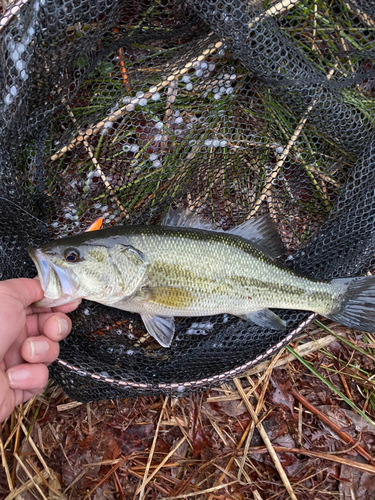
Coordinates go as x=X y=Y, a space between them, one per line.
x=38 y=347
x=63 y=326
x=17 y=375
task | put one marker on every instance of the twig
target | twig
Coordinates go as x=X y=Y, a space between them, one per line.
x=94 y=130
x=89 y=417
x=162 y=463
x=26 y=486
x=10 y=13
x=370 y=469
x=96 y=164
x=300 y=424
x=104 y=478
x=144 y=482
x=274 y=10
x=16 y=442
x=303 y=350
x=118 y=486
x=35 y=484
x=259 y=406
x=266 y=440
x=343 y=435
x=35 y=448
x=4 y=461
x=283 y=156
x=183 y=484
x=43 y=479
x=202 y=492
x=345 y=384
x=68 y=406
x=156 y=486
x=23 y=413
x=76 y=479
x=366 y=19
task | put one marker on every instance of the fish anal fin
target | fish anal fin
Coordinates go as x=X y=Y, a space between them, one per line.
x=160 y=327
x=170 y=296
x=261 y=232
x=267 y=319
x=241 y=316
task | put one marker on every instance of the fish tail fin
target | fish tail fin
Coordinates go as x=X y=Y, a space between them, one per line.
x=354 y=304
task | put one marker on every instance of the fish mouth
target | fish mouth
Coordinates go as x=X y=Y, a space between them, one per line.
x=68 y=284
x=43 y=267
x=57 y=283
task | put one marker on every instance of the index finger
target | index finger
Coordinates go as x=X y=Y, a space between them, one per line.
x=24 y=290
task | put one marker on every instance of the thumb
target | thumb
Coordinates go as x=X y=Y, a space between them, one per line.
x=25 y=290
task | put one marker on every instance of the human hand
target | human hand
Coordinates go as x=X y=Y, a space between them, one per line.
x=28 y=341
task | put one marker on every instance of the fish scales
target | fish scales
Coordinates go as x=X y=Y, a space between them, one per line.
x=223 y=273
x=164 y=271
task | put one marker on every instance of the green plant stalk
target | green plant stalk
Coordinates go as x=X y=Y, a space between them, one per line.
x=345 y=341
x=329 y=385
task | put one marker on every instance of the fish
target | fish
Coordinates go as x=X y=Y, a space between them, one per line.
x=186 y=267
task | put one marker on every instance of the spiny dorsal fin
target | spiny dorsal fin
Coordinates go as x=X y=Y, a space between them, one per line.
x=186 y=218
x=260 y=231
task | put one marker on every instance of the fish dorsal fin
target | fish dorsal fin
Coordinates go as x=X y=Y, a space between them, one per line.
x=267 y=319
x=186 y=218
x=160 y=327
x=262 y=233
x=131 y=267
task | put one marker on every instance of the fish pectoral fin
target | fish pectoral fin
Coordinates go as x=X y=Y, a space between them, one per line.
x=160 y=327
x=267 y=319
x=170 y=296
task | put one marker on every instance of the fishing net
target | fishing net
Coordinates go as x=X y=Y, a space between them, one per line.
x=233 y=109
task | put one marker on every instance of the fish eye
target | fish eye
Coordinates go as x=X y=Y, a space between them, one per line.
x=72 y=255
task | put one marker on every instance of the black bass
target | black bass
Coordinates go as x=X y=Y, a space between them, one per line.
x=185 y=268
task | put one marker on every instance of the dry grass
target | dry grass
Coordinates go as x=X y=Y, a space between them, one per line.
x=278 y=432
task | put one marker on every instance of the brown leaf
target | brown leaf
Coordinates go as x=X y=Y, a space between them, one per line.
x=281 y=394
x=134 y=438
x=356 y=484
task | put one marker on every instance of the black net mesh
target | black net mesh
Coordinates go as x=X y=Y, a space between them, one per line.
x=119 y=109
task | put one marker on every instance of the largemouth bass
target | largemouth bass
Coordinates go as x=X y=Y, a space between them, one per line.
x=185 y=268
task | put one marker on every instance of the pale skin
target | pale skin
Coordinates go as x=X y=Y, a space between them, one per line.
x=29 y=341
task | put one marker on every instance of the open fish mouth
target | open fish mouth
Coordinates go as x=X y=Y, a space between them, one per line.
x=58 y=284
x=43 y=267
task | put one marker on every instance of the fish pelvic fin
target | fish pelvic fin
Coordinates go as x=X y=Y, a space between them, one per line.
x=354 y=304
x=160 y=327
x=267 y=319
